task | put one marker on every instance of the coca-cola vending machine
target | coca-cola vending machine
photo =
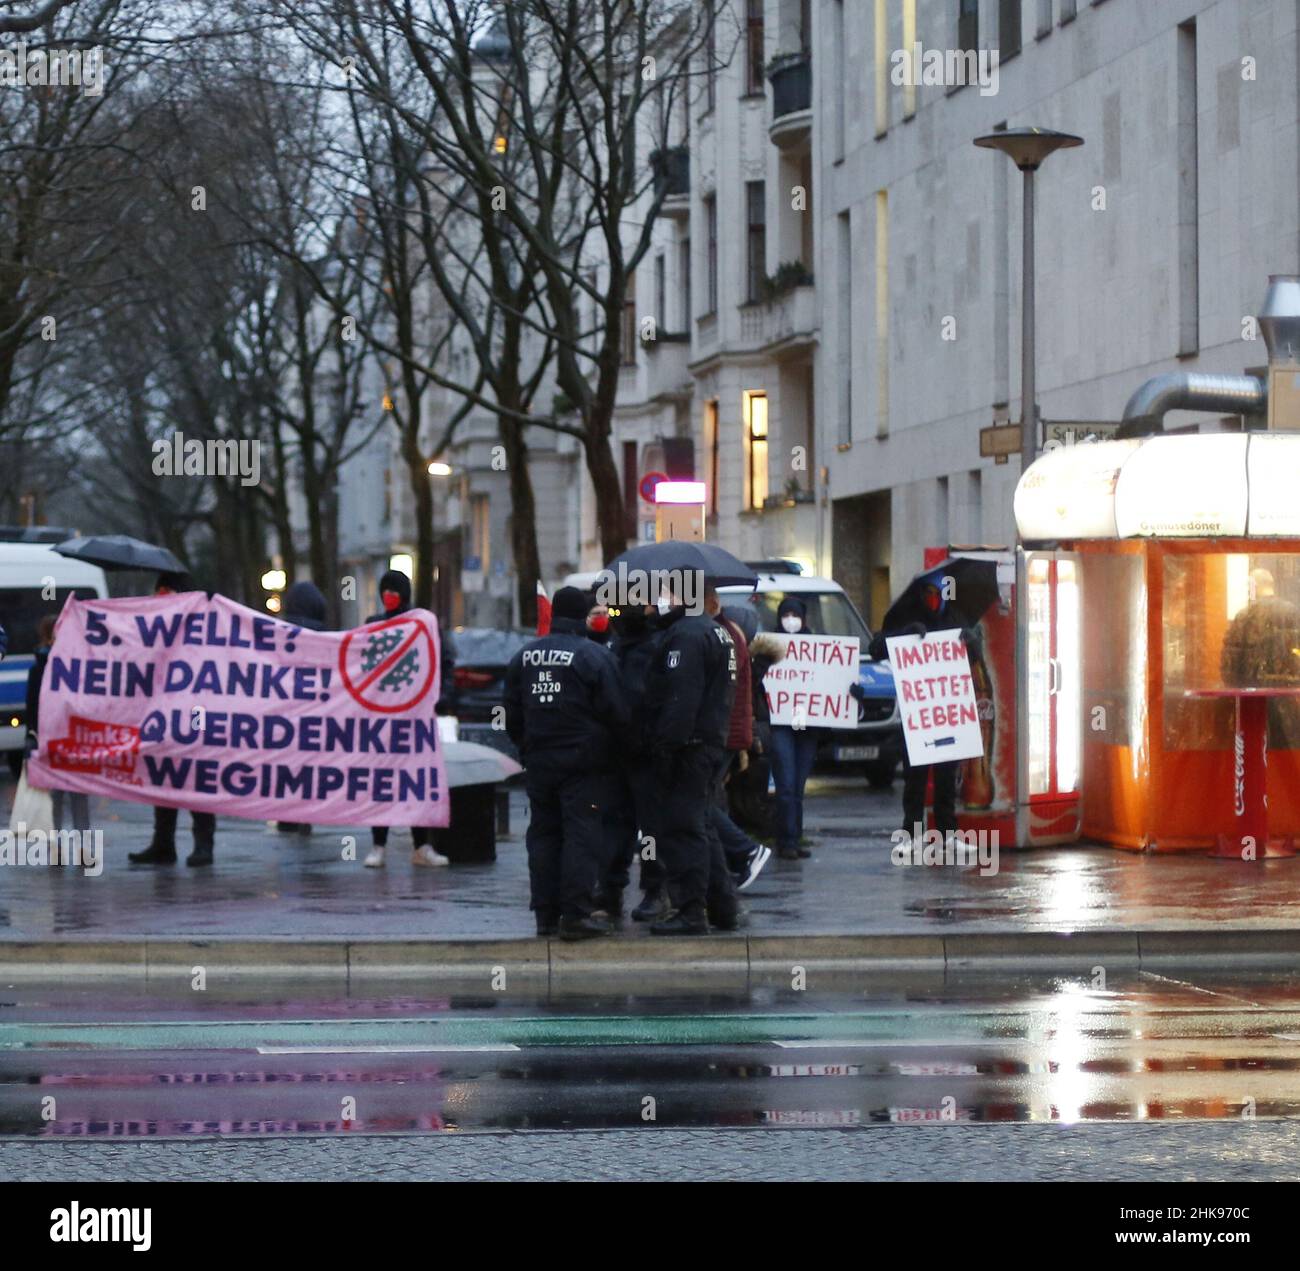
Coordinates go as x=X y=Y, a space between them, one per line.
x=1027 y=687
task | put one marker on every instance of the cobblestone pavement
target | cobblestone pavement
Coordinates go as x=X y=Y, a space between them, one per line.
x=266 y=883
x=1192 y=1152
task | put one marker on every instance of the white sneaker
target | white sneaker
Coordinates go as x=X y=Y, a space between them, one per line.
x=376 y=858
x=425 y=855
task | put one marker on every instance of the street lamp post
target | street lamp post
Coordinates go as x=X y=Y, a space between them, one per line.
x=1027 y=148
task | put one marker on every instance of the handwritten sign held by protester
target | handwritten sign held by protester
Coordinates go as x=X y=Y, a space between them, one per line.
x=809 y=686
x=202 y=704
x=936 y=697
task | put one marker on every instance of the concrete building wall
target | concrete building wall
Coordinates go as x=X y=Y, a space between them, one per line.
x=1154 y=240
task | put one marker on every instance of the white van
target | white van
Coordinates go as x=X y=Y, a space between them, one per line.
x=28 y=572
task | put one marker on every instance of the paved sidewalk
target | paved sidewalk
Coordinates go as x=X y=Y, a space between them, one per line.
x=270 y=885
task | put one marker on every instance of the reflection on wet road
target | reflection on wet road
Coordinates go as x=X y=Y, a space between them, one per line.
x=910 y=1052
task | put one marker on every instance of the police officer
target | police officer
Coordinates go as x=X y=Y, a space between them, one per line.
x=689 y=696
x=565 y=711
x=633 y=824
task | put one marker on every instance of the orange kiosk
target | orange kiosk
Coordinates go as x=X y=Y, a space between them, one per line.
x=1187 y=551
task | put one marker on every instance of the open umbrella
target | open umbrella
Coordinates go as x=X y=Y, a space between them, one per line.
x=718 y=567
x=974 y=590
x=472 y=764
x=120 y=551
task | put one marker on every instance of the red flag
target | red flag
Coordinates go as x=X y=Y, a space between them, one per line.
x=543 y=610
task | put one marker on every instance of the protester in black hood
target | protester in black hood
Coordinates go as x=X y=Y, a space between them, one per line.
x=394 y=595
x=935 y=613
x=395 y=599
x=566 y=711
x=162 y=847
x=598 y=620
x=794 y=748
x=304 y=606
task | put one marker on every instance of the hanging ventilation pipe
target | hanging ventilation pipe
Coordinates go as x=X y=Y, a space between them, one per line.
x=1279 y=323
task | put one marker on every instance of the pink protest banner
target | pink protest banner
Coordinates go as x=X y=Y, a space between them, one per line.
x=202 y=704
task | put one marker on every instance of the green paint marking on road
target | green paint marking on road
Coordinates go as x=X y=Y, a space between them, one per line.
x=459 y=1031
x=648 y=1030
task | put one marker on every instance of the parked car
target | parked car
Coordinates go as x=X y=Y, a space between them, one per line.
x=27 y=571
x=877 y=744
x=482 y=656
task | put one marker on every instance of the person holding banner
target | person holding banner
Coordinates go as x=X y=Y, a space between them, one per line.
x=162 y=847
x=395 y=597
x=935 y=614
x=794 y=748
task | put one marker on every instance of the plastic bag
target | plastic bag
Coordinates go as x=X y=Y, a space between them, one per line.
x=33 y=808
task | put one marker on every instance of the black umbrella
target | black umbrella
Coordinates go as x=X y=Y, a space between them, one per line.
x=718 y=567
x=974 y=590
x=120 y=551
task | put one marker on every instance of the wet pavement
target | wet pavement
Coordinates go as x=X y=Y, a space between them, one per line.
x=1148 y=1153
x=283 y=885
x=897 y=1052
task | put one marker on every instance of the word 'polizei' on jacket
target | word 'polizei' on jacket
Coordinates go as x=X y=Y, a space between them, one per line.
x=692 y=684
x=564 y=704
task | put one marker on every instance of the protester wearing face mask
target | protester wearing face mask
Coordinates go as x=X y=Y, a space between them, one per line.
x=395 y=597
x=793 y=751
x=936 y=614
x=598 y=622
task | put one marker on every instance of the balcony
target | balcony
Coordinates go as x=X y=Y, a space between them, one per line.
x=785 y=325
x=667 y=377
x=672 y=176
x=790 y=75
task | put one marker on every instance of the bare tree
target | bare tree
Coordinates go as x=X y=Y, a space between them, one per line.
x=544 y=109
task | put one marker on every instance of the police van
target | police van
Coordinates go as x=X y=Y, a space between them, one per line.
x=34 y=580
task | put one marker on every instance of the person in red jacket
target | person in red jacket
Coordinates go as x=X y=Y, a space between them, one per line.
x=745 y=858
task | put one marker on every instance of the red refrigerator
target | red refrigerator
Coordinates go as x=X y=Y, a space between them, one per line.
x=1028 y=690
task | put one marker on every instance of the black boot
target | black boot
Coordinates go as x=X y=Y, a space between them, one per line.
x=155 y=854
x=582 y=927
x=548 y=922
x=653 y=906
x=730 y=921
x=201 y=855
x=685 y=922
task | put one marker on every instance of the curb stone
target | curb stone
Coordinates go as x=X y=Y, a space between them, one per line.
x=735 y=962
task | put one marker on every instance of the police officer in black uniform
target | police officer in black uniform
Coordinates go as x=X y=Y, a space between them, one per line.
x=565 y=711
x=633 y=824
x=690 y=689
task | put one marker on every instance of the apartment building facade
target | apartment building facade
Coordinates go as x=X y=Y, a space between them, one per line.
x=830 y=310
x=1154 y=240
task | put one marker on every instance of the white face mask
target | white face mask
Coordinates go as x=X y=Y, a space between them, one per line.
x=665 y=604
x=792 y=623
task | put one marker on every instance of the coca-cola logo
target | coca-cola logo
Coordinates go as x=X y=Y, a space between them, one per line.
x=1239 y=775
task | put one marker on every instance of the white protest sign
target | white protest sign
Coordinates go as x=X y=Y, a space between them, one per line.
x=809 y=687
x=936 y=697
